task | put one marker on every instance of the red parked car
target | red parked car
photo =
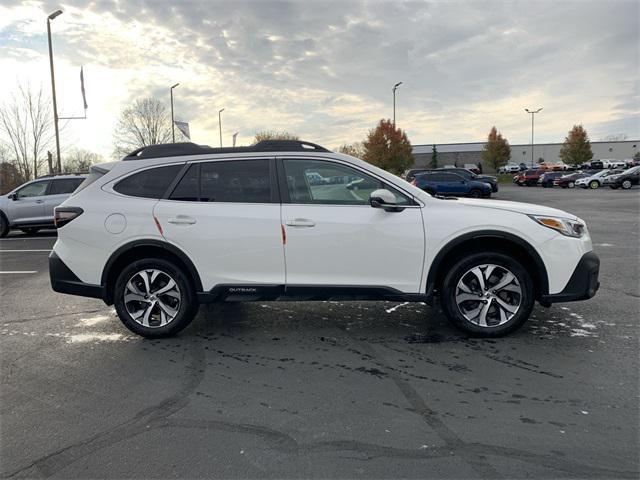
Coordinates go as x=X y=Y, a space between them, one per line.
x=528 y=178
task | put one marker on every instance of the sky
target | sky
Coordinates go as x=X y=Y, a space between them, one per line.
x=325 y=70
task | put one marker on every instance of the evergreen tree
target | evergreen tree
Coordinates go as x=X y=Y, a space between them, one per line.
x=434 y=157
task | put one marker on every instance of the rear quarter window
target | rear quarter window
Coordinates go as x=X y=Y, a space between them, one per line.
x=150 y=183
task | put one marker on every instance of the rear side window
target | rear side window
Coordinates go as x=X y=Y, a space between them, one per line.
x=64 y=186
x=151 y=183
x=242 y=181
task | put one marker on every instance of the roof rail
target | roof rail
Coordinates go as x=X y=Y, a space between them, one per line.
x=188 y=148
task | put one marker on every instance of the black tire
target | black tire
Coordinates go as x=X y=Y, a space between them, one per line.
x=4 y=226
x=626 y=184
x=475 y=193
x=593 y=184
x=461 y=269
x=186 y=308
x=30 y=230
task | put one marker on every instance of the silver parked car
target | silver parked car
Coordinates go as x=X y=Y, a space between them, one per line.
x=29 y=207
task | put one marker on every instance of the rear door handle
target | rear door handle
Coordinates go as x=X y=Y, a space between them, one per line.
x=182 y=220
x=301 y=222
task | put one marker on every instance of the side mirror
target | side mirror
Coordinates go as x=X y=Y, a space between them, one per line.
x=13 y=196
x=384 y=199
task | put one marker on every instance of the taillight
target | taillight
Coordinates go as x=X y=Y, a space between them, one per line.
x=63 y=215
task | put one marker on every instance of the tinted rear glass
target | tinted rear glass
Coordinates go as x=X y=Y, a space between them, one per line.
x=151 y=183
x=241 y=181
x=65 y=185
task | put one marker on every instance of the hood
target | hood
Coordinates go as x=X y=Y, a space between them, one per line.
x=517 y=207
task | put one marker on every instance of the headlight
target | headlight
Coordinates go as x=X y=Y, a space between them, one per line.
x=569 y=228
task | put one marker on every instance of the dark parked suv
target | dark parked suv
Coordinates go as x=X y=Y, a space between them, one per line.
x=469 y=175
x=440 y=182
x=627 y=178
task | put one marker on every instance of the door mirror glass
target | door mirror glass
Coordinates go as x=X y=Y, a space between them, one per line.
x=13 y=196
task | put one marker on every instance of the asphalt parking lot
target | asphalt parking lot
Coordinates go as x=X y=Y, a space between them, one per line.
x=326 y=389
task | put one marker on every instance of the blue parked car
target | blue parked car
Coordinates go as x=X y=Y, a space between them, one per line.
x=443 y=183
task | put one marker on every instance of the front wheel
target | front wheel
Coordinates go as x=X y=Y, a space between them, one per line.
x=626 y=184
x=487 y=294
x=571 y=185
x=594 y=184
x=154 y=298
x=475 y=193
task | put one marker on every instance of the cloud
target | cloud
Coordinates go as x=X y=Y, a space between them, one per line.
x=324 y=70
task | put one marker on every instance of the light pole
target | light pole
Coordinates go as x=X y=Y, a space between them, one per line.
x=53 y=90
x=532 y=112
x=395 y=87
x=220 y=124
x=173 y=126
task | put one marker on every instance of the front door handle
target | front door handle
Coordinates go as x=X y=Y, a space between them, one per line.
x=301 y=222
x=39 y=201
x=182 y=220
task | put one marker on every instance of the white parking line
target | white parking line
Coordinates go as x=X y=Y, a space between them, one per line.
x=23 y=271
x=13 y=251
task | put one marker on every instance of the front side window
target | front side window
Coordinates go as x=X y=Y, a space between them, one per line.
x=64 y=186
x=35 y=189
x=237 y=181
x=320 y=182
x=151 y=183
x=451 y=177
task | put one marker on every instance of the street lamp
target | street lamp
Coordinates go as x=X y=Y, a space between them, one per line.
x=173 y=126
x=220 y=124
x=395 y=87
x=53 y=89
x=532 y=112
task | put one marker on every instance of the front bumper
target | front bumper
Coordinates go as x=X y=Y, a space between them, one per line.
x=63 y=280
x=583 y=283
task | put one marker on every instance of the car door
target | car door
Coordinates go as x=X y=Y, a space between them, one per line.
x=453 y=184
x=58 y=192
x=225 y=215
x=335 y=238
x=28 y=204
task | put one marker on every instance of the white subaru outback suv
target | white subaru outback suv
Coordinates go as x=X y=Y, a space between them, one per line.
x=173 y=226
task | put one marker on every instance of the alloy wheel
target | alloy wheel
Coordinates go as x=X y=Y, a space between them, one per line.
x=488 y=295
x=152 y=298
x=594 y=184
x=626 y=184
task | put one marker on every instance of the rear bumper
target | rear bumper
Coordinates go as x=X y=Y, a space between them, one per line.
x=583 y=283
x=63 y=280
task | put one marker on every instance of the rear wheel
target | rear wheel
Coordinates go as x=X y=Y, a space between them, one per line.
x=154 y=298
x=487 y=294
x=593 y=184
x=571 y=184
x=4 y=226
x=626 y=184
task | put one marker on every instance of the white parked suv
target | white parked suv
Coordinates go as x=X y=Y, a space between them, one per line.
x=173 y=226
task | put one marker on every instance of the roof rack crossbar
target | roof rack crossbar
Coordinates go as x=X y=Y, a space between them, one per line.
x=189 y=148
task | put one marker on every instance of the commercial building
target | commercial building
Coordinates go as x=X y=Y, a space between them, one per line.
x=460 y=153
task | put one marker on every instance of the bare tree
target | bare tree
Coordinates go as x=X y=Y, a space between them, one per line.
x=144 y=123
x=79 y=160
x=26 y=125
x=274 y=135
